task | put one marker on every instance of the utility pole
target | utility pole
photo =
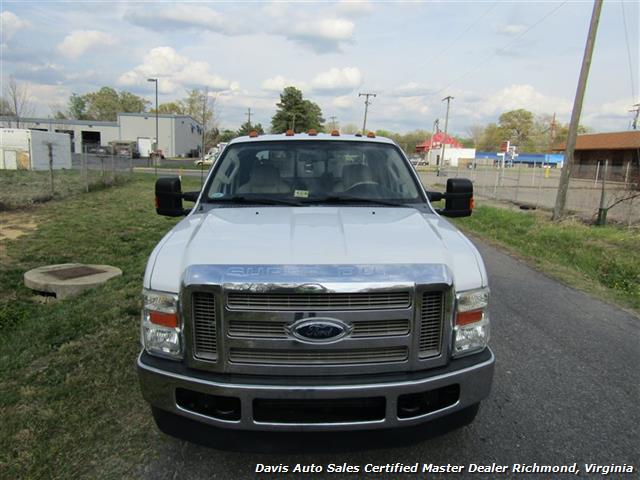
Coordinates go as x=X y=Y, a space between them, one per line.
x=552 y=132
x=446 y=125
x=563 y=187
x=333 y=122
x=367 y=102
x=248 y=114
x=204 y=117
x=636 y=110
x=156 y=153
x=293 y=121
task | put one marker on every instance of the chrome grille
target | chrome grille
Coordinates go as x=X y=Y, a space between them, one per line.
x=318 y=357
x=318 y=301
x=204 y=323
x=431 y=324
x=277 y=329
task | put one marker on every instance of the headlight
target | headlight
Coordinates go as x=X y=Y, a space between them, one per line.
x=161 y=329
x=471 y=330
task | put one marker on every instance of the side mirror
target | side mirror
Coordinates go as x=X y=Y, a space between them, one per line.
x=191 y=196
x=458 y=199
x=169 y=197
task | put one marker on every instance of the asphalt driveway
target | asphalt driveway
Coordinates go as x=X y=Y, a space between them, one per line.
x=566 y=389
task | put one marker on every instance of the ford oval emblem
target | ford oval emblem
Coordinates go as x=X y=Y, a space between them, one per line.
x=319 y=330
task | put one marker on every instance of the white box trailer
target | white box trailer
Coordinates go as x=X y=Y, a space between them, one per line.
x=145 y=146
x=22 y=149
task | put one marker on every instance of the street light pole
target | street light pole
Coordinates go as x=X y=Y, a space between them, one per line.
x=155 y=160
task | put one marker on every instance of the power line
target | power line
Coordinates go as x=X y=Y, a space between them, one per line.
x=502 y=49
x=456 y=40
x=626 y=38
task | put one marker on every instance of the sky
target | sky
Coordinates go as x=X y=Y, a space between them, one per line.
x=490 y=56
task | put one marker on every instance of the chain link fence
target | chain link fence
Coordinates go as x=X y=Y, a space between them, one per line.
x=89 y=171
x=536 y=186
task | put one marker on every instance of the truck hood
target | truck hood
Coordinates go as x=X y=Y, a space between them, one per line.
x=313 y=236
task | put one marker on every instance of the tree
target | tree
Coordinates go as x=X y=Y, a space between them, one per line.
x=246 y=127
x=5 y=108
x=350 y=129
x=296 y=113
x=517 y=127
x=170 y=108
x=475 y=133
x=17 y=100
x=77 y=107
x=130 y=103
x=227 y=135
x=491 y=138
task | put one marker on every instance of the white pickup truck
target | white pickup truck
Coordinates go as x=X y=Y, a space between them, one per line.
x=314 y=287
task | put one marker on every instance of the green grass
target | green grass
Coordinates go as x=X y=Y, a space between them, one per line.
x=69 y=396
x=21 y=188
x=601 y=260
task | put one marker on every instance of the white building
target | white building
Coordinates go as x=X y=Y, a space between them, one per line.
x=179 y=135
x=22 y=149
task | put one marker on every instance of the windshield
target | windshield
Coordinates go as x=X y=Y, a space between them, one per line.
x=304 y=171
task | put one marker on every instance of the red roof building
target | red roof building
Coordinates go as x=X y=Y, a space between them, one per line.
x=436 y=143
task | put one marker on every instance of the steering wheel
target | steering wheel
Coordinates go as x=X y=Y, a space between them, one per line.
x=362 y=184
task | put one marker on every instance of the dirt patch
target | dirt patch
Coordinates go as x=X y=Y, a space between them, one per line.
x=16 y=224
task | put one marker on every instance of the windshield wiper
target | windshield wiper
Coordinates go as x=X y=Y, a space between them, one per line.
x=254 y=200
x=351 y=199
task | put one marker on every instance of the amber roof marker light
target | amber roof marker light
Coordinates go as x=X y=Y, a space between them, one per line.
x=253 y=134
x=312 y=132
x=371 y=135
x=335 y=133
x=289 y=133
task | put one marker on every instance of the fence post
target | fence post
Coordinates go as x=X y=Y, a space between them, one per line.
x=595 y=181
x=131 y=165
x=104 y=180
x=515 y=200
x=50 y=146
x=602 y=211
x=83 y=172
x=113 y=168
x=629 y=215
x=495 y=184
x=533 y=174
x=626 y=175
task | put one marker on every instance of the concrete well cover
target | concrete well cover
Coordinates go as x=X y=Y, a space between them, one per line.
x=69 y=279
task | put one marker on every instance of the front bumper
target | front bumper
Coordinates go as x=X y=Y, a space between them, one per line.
x=160 y=378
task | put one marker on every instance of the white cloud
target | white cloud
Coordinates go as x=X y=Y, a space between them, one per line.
x=320 y=34
x=525 y=96
x=354 y=8
x=337 y=80
x=511 y=29
x=322 y=31
x=79 y=42
x=174 y=72
x=177 y=17
x=413 y=89
x=278 y=83
x=344 y=101
x=10 y=24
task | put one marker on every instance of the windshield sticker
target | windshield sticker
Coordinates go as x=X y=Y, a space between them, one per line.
x=217 y=195
x=301 y=193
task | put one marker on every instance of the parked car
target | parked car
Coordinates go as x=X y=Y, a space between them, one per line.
x=313 y=287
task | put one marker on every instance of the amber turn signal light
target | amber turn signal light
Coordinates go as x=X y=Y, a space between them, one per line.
x=165 y=319
x=465 y=318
